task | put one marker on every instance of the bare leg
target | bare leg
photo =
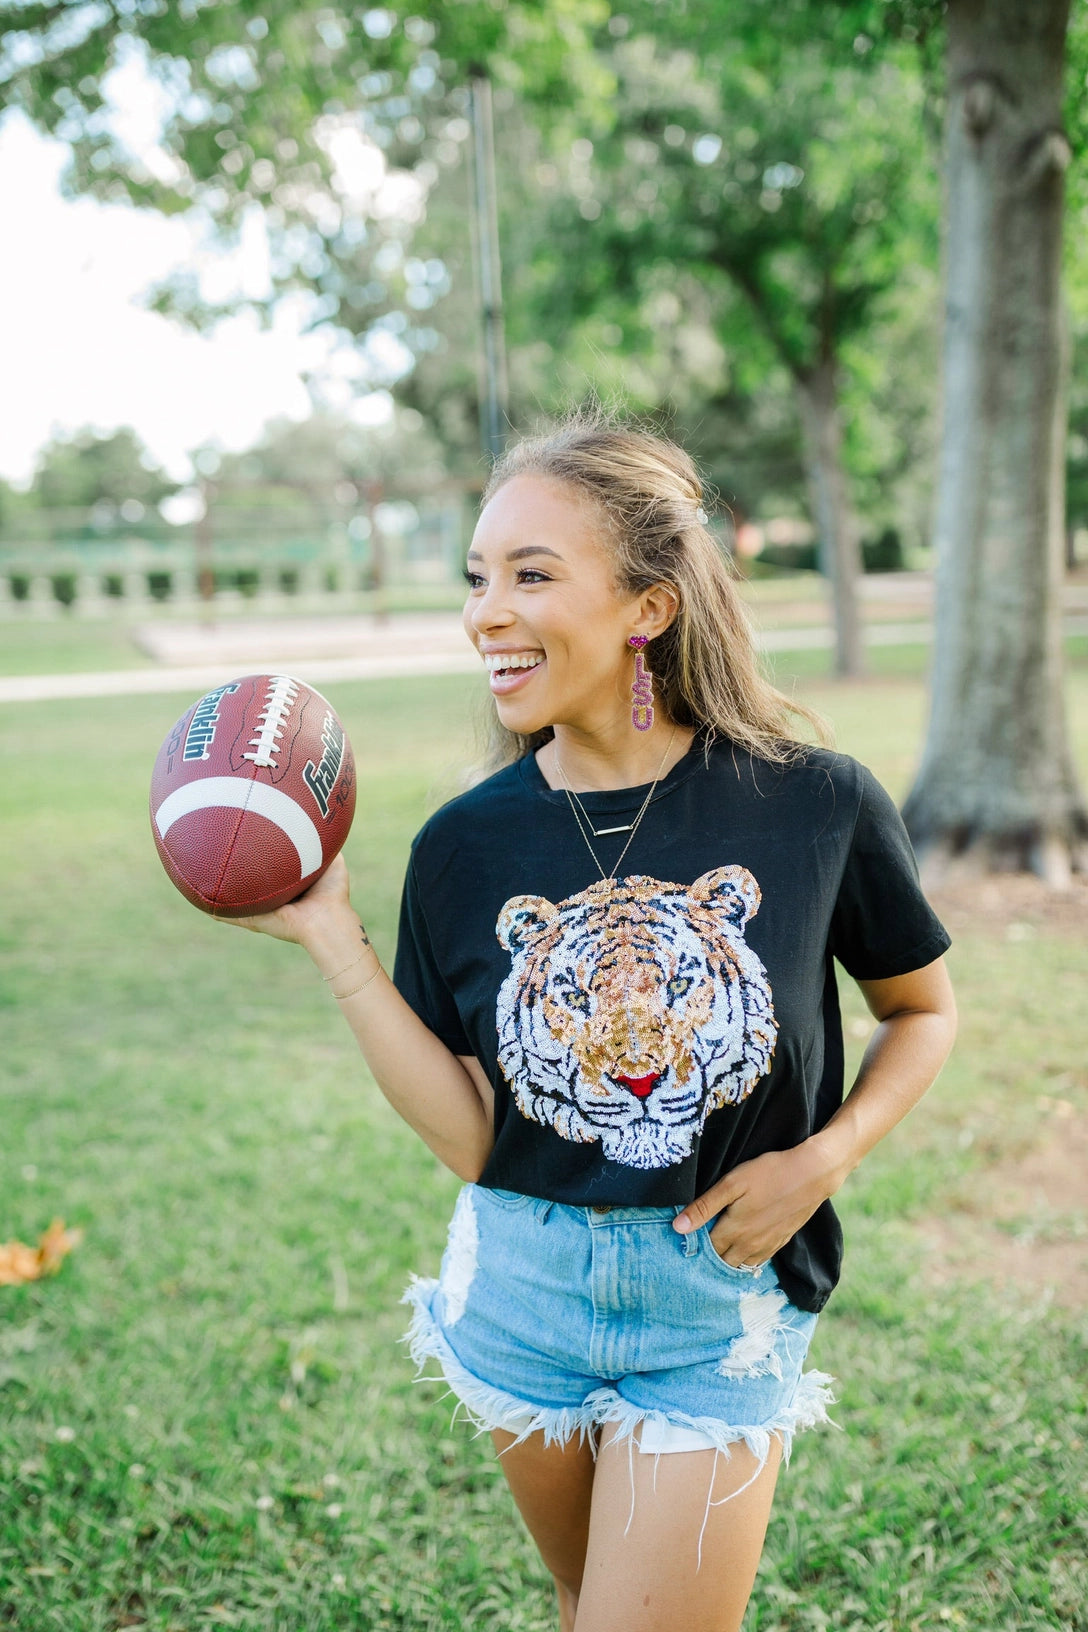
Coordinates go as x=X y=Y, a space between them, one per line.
x=643 y=1570
x=553 y=1489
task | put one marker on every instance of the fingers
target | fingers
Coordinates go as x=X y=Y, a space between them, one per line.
x=708 y=1205
x=743 y=1252
x=265 y=923
x=333 y=881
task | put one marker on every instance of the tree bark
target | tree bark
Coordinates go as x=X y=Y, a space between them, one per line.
x=996 y=786
x=836 y=525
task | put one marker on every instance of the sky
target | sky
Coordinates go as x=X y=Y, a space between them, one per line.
x=78 y=348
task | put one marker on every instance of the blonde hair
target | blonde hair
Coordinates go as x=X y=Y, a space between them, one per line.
x=705 y=668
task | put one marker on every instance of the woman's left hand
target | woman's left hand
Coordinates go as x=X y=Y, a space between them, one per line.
x=762 y=1204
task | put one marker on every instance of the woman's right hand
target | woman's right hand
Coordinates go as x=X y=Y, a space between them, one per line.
x=322 y=913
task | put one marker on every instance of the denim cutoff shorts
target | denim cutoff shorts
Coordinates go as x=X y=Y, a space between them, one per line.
x=557 y=1319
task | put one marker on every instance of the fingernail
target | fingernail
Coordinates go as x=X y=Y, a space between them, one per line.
x=682 y=1223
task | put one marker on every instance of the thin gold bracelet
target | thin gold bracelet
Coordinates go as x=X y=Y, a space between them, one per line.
x=347 y=966
x=342 y=996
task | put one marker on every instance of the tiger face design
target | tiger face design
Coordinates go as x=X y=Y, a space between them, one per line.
x=634 y=1009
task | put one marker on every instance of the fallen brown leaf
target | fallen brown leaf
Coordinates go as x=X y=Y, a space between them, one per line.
x=20 y=1263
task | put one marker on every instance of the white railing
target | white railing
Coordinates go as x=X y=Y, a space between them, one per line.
x=241 y=559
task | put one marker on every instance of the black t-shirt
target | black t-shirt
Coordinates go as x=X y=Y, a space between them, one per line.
x=645 y=1037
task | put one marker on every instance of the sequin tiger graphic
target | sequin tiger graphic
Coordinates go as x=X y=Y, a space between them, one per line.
x=632 y=1010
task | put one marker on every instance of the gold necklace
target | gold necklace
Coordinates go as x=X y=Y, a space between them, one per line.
x=585 y=826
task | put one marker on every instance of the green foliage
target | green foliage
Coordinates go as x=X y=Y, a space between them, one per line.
x=13 y=503
x=752 y=207
x=256 y=101
x=329 y=459
x=255 y=98
x=80 y=471
x=636 y=271
x=883 y=553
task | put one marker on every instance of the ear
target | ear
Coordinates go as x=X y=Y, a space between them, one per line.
x=731 y=890
x=655 y=610
x=523 y=920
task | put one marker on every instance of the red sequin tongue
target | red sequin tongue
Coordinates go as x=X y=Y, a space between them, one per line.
x=640 y=1086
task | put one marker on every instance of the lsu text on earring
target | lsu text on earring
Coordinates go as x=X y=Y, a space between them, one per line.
x=642 y=691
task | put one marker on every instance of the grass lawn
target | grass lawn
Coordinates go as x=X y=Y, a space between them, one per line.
x=206 y=1420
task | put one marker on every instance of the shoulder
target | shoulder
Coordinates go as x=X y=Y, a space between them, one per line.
x=810 y=772
x=816 y=796
x=490 y=804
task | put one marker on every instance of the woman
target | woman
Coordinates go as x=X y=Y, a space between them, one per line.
x=614 y=1015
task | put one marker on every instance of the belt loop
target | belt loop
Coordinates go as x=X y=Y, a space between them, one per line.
x=691 y=1240
x=546 y=1211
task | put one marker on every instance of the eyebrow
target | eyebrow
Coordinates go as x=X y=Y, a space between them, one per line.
x=520 y=554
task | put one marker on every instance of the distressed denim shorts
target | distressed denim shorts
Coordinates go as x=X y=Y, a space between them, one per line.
x=560 y=1319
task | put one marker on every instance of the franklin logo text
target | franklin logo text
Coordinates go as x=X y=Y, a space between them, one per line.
x=321 y=779
x=201 y=732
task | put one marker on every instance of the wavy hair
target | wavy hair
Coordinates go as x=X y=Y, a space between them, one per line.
x=705 y=667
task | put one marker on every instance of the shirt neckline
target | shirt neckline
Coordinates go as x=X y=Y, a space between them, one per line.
x=607 y=801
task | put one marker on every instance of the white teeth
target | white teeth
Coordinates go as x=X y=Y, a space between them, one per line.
x=511 y=660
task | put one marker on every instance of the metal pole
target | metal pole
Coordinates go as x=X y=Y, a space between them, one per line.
x=493 y=383
x=203 y=550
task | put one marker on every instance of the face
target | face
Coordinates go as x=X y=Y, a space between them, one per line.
x=544 y=612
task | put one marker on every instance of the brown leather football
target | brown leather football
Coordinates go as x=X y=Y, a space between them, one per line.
x=252 y=795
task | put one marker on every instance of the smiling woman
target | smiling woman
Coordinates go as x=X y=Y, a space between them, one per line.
x=544 y=613
x=614 y=1014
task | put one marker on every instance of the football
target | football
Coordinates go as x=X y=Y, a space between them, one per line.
x=252 y=795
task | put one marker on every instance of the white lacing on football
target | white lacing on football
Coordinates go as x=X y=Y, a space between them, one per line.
x=282 y=691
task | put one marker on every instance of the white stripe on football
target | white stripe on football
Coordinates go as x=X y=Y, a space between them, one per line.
x=235 y=793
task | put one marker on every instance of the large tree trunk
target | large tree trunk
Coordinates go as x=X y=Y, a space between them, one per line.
x=996 y=786
x=817 y=392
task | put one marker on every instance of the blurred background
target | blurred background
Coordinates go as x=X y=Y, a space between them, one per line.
x=281 y=280
x=277 y=282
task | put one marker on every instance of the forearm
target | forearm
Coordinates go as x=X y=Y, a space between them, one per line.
x=421 y=1079
x=903 y=1058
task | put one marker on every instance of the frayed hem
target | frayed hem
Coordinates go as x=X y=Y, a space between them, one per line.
x=486 y=1406
x=489 y=1407
x=807 y=1409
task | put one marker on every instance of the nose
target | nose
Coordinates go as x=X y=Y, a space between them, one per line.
x=641 y=1087
x=488 y=612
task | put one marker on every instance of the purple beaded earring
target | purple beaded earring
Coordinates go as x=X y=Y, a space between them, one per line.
x=642 y=692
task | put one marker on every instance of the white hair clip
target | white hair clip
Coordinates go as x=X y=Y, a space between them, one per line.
x=701 y=516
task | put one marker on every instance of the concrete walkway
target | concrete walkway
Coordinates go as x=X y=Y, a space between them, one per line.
x=190 y=658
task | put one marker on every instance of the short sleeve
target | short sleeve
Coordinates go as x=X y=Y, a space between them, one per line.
x=882 y=924
x=416 y=974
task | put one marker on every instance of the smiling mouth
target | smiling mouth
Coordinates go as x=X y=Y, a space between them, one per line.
x=498 y=663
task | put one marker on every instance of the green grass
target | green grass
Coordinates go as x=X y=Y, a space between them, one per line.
x=64 y=645
x=206 y=1419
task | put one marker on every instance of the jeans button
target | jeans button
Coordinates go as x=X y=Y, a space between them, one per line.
x=601 y=1209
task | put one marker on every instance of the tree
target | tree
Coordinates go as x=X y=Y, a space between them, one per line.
x=258 y=102
x=77 y=472
x=330 y=120
x=795 y=176
x=328 y=460
x=256 y=98
x=996 y=787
